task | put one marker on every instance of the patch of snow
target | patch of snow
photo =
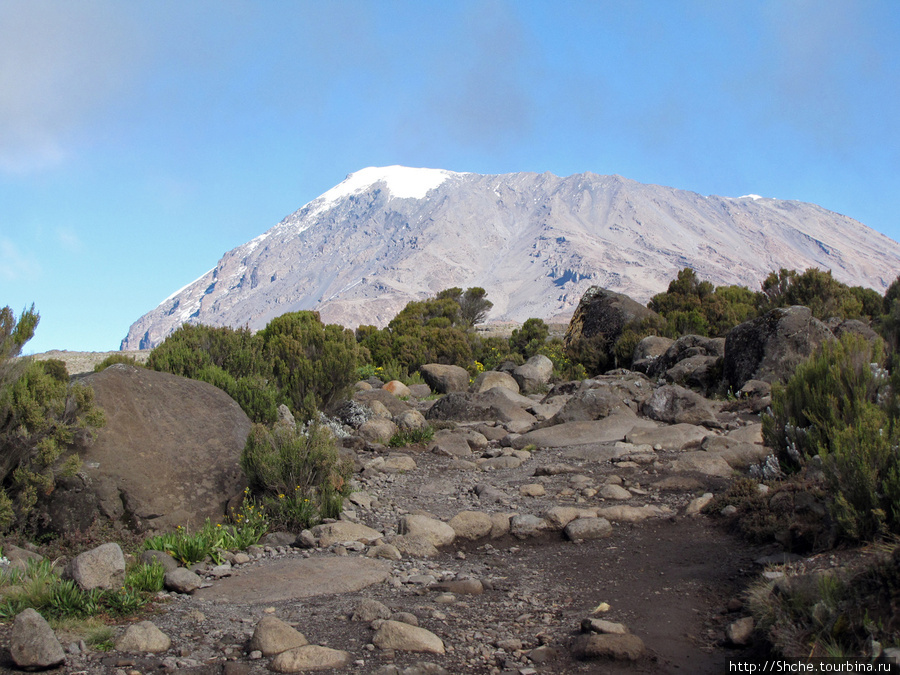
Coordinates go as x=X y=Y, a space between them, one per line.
x=253 y=244
x=402 y=182
x=751 y=196
x=185 y=287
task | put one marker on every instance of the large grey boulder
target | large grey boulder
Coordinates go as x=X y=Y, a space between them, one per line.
x=102 y=567
x=692 y=361
x=609 y=429
x=497 y=404
x=445 y=379
x=647 y=351
x=182 y=580
x=769 y=347
x=591 y=404
x=493 y=378
x=393 y=404
x=33 y=644
x=169 y=455
x=677 y=405
x=534 y=374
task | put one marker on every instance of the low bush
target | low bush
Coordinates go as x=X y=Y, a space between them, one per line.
x=840 y=405
x=295 y=474
x=41 y=588
x=246 y=528
x=114 y=359
x=412 y=437
x=43 y=420
x=837 y=614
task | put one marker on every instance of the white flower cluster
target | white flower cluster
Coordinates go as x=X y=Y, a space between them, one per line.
x=333 y=425
x=768 y=469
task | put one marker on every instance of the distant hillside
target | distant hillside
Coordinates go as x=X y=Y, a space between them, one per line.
x=535 y=242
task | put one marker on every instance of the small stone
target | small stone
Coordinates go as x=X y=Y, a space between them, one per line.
x=33 y=644
x=309 y=657
x=143 y=637
x=182 y=580
x=368 y=610
x=273 y=636
x=471 y=525
x=614 y=492
x=588 y=528
x=403 y=637
x=603 y=626
x=696 y=505
x=740 y=632
x=617 y=647
x=460 y=587
x=386 y=551
x=532 y=490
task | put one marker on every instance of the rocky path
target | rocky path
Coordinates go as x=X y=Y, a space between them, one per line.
x=564 y=550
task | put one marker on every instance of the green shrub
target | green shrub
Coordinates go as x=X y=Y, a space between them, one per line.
x=826 y=394
x=825 y=296
x=297 y=475
x=41 y=588
x=313 y=364
x=411 y=437
x=529 y=339
x=245 y=529
x=113 y=359
x=840 y=406
x=146 y=578
x=43 y=418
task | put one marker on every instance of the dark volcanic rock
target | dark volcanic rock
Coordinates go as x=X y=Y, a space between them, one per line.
x=769 y=347
x=601 y=316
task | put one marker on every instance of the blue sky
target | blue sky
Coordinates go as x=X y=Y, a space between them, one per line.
x=139 y=141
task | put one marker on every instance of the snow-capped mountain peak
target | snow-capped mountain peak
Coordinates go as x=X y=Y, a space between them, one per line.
x=535 y=242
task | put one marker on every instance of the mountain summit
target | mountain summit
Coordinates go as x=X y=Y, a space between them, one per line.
x=535 y=242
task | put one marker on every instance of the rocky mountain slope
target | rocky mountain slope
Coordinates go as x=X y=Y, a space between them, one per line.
x=535 y=242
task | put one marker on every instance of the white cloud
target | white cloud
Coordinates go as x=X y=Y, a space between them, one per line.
x=61 y=64
x=16 y=265
x=69 y=239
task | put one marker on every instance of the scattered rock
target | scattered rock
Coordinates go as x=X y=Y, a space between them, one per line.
x=182 y=580
x=397 y=388
x=273 y=636
x=445 y=379
x=368 y=610
x=403 y=637
x=102 y=567
x=493 y=378
x=143 y=638
x=309 y=657
x=676 y=405
x=344 y=530
x=33 y=644
x=626 y=647
x=739 y=633
x=588 y=528
x=471 y=525
x=435 y=531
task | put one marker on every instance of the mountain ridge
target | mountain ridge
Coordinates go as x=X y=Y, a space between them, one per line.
x=535 y=241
